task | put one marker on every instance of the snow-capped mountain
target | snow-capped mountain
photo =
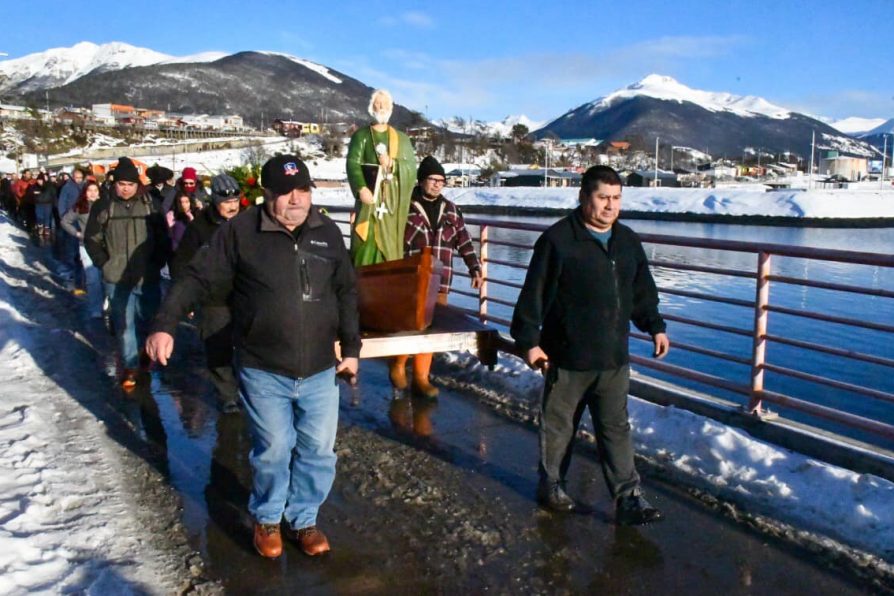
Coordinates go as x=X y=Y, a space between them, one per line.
x=259 y=86
x=718 y=123
x=499 y=128
x=884 y=128
x=856 y=126
x=59 y=66
x=881 y=137
x=669 y=89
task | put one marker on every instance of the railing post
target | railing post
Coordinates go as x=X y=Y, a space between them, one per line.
x=482 y=291
x=761 y=316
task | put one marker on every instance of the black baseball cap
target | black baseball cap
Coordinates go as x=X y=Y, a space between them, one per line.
x=284 y=173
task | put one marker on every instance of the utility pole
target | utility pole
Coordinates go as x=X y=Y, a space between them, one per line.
x=810 y=175
x=656 y=162
x=884 y=159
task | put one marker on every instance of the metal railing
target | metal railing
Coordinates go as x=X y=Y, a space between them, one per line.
x=761 y=332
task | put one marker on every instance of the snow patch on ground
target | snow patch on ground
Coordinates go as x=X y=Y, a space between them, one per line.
x=65 y=525
x=851 y=507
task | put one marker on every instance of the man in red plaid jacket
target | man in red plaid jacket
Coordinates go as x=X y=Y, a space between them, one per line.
x=436 y=222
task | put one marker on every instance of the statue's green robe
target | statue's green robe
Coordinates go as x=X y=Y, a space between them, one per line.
x=385 y=232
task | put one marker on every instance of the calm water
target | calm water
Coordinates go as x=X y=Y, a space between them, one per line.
x=877 y=309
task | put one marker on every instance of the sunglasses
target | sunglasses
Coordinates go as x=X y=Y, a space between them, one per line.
x=234 y=192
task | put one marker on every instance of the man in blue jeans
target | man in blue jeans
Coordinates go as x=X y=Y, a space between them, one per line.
x=127 y=238
x=293 y=293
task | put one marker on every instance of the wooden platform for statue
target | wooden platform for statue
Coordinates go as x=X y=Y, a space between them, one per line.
x=399 y=295
x=451 y=330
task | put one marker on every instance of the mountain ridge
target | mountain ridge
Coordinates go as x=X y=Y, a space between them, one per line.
x=718 y=123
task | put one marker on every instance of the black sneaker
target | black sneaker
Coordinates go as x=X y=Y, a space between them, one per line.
x=635 y=510
x=551 y=495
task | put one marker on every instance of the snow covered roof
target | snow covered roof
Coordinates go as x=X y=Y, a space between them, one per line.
x=514 y=173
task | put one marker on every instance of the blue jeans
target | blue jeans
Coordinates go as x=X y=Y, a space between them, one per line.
x=93 y=284
x=131 y=309
x=44 y=214
x=293 y=424
x=68 y=256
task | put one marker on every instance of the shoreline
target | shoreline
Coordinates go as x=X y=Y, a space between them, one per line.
x=720 y=218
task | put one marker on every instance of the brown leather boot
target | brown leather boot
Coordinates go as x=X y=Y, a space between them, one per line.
x=397 y=372
x=268 y=540
x=312 y=541
x=421 y=384
x=129 y=379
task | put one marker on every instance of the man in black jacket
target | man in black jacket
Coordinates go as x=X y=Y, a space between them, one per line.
x=587 y=280
x=214 y=322
x=293 y=294
x=127 y=238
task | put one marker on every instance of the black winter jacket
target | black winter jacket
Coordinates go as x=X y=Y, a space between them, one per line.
x=197 y=236
x=578 y=299
x=291 y=297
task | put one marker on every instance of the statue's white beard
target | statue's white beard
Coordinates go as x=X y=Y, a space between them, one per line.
x=382 y=117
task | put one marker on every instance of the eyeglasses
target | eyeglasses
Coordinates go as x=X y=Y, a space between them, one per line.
x=436 y=180
x=230 y=192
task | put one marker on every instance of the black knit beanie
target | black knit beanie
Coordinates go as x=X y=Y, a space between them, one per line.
x=125 y=171
x=429 y=166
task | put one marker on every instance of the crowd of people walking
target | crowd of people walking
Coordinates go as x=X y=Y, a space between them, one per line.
x=275 y=287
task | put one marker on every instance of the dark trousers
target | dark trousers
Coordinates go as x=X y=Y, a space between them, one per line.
x=217 y=335
x=566 y=394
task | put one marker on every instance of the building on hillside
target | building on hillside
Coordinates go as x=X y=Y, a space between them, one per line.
x=718 y=171
x=420 y=133
x=110 y=113
x=463 y=176
x=640 y=178
x=612 y=148
x=293 y=128
x=229 y=122
x=148 y=114
x=73 y=116
x=849 y=168
x=536 y=177
x=744 y=171
x=134 y=121
x=11 y=112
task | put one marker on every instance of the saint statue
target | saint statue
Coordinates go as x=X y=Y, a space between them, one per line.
x=381 y=166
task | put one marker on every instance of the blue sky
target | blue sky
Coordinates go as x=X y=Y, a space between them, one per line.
x=487 y=60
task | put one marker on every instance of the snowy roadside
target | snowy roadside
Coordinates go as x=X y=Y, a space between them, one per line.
x=831 y=504
x=67 y=519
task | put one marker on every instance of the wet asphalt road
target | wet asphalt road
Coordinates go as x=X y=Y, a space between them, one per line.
x=437 y=496
x=430 y=496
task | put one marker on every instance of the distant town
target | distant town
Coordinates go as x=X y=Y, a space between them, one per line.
x=487 y=158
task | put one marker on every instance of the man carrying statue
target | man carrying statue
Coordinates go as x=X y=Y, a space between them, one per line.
x=381 y=167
